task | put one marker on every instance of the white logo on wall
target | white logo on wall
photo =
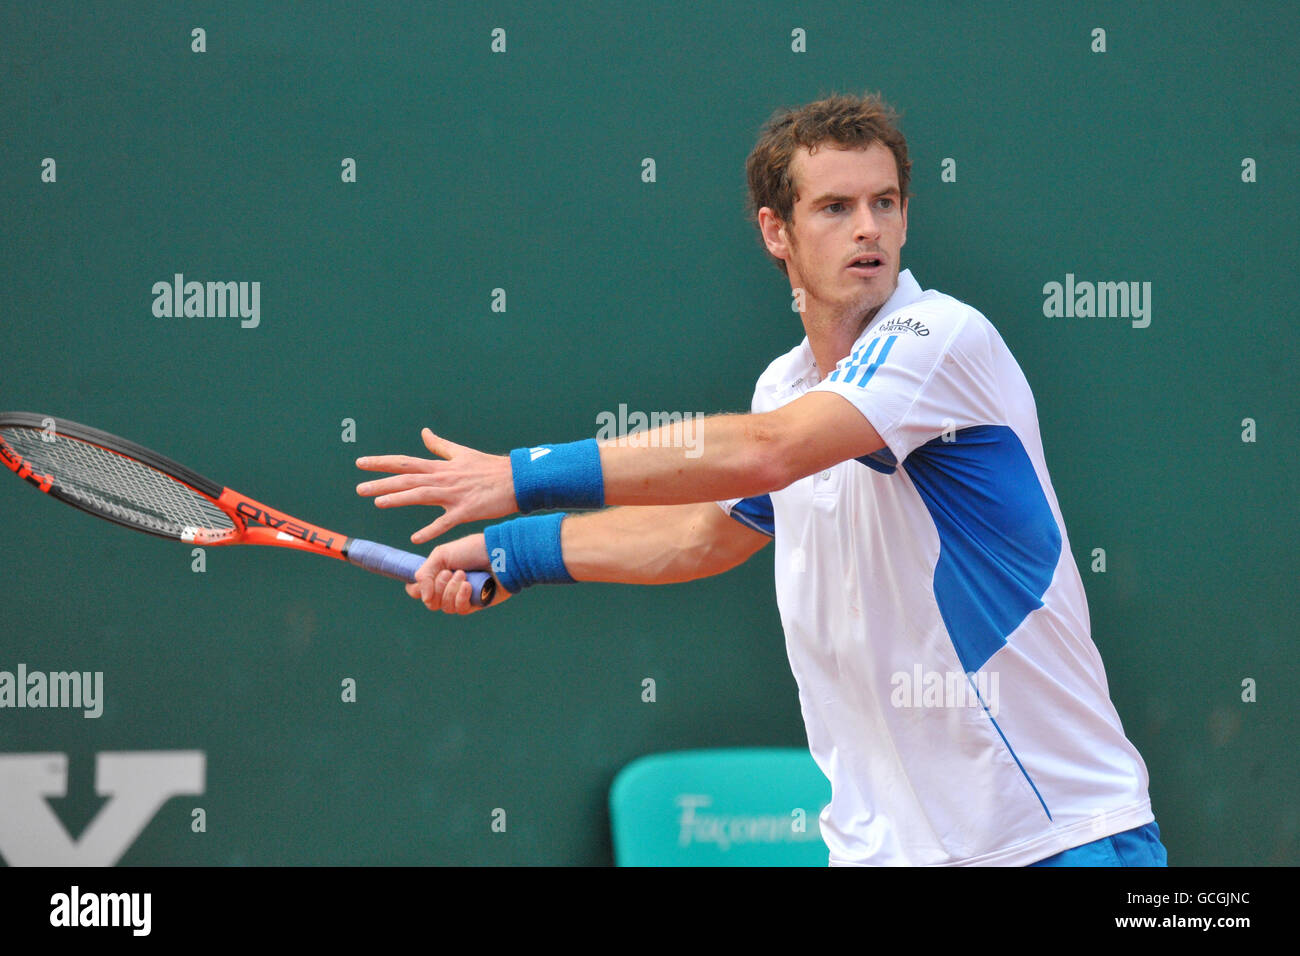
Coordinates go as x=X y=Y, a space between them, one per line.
x=136 y=783
x=728 y=831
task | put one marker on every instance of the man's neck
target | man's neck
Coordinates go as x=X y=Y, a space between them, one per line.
x=831 y=337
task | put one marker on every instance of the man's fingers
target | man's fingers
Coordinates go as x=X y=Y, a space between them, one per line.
x=384 y=486
x=439 y=527
x=429 y=594
x=449 y=589
x=442 y=582
x=415 y=496
x=467 y=605
x=446 y=591
x=402 y=464
x=440 y=446
x=438 y=593
x=455 y=596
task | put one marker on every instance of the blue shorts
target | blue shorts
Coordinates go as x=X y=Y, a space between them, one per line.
x=1140 y=846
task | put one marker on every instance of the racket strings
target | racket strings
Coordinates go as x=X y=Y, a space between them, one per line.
x=117 y=486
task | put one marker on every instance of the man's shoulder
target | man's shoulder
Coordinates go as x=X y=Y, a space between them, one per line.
x=784 y=378
x=785 y=369
x=938 y=318
x=924 y=315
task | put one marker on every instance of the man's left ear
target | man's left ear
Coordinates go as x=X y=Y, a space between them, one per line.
x=904 y=242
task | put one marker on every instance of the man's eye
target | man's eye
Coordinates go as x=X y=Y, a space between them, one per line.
x=889 y=203
x=834 y=206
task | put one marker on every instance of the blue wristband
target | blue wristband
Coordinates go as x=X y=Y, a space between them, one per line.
x=527 y=551
x=558 y=476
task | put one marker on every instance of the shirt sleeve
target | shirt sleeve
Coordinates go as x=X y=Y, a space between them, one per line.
x=918 y=377
x=753 y=512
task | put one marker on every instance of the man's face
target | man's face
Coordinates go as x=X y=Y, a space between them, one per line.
x=847 y=205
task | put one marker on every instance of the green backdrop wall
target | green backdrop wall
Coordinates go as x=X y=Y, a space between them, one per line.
x=522 y=170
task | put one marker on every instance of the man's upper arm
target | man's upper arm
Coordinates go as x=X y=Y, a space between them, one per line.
x=922 y=374
x=821 y=429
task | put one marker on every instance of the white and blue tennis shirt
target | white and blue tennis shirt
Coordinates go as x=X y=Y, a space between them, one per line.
x=934 y=616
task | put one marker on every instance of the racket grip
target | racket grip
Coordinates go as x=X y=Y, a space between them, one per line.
x=402 y=565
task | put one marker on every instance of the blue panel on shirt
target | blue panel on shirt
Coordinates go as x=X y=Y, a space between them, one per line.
x=882 y=461
x=998 y=540
x=756 y=513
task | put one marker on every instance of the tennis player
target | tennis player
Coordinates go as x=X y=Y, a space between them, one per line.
x=935 y=619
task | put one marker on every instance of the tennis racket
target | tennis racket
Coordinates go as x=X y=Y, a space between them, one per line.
x=120 y=481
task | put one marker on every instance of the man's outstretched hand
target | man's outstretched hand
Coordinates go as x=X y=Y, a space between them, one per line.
x=440 y=583
x=471 y=485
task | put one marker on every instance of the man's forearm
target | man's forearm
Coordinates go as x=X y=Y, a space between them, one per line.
x=654 y=545
x=728 y=456
x=710 y=459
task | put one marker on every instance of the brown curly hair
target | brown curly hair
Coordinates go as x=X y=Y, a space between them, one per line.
x=853 y=122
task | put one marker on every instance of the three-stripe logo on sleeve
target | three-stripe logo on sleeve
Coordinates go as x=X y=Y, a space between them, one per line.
x=863 y=362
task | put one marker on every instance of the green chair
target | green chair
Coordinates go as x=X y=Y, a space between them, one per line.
x=742 y=807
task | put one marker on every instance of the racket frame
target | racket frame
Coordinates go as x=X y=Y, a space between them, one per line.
x=269 y=527
x=273 y=527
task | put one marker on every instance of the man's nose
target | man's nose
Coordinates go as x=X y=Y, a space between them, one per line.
x=867 y=227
